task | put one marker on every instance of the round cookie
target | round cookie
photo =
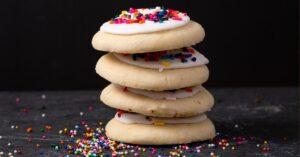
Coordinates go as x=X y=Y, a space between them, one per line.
x=114 y=96
x=115 y=71
x=184 y=36
x=160 y=135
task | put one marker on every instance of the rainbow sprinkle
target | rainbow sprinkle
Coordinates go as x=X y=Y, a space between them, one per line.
x=184 y=55
x=157 y=14
x=88 y=142
x=87 y=139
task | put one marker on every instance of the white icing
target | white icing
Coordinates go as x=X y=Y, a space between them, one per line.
x=168 y=95
x=134 y=118
x=147 y=27
x=174 y=64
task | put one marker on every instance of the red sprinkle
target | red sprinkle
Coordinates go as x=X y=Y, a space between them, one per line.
x=265 y=149
x=191 y=50
x=25 y=110
x=189 y=90
x=120 y=112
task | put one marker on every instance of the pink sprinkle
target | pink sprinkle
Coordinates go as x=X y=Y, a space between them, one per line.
x=153 y=151
x=131 y=10
x=17 y=100
x=90 y=108
x=177 y=18
x=113 y=154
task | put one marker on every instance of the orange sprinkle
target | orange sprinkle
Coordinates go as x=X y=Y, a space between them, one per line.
x=29 y=130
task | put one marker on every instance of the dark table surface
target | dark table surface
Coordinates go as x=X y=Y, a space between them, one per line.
x=249 y=122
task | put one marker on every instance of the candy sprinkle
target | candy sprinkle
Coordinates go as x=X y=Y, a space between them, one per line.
x=140 y=16
x=87 y=139
x=165 y=63
x=159 y=123
x=29 y=130
x=164 y=58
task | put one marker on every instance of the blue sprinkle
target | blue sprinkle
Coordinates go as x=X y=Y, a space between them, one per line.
x=194 y=59
x=187 y=55
x=167 y=56
x=134 y=57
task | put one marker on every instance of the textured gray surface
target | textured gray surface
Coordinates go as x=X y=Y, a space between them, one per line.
x=270 y=114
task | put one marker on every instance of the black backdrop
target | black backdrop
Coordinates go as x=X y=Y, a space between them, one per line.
x=45 y=44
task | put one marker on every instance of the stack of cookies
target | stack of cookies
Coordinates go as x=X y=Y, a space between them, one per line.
x=156 y=77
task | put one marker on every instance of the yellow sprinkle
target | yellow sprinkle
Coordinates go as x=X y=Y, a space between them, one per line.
x=159 y=123
x=124 y=12
x=165 y=63
x=265 y=142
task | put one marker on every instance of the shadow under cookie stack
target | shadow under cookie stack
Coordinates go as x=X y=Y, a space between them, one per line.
x=156 y=77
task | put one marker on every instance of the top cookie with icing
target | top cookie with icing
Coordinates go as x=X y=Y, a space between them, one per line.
x=148 y=30
x=145 y=20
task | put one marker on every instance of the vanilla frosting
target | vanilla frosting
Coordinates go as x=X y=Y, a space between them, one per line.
x=148 y=25
x=168 y=95
x=134 y=118
x=166 y=63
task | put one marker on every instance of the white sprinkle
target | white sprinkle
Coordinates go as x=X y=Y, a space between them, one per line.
x=43 y=96
x=9 y=144
x=12 y=126
x=236 y=126
x=10 y=154
x=1 y=153
x=43 y=115
x=81 y=113
x=160 y=69
x=15 y=151
x=0 y=137
x=257 y=145
x=170 y=98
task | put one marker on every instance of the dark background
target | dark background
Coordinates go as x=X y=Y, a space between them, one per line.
x=46 y=44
